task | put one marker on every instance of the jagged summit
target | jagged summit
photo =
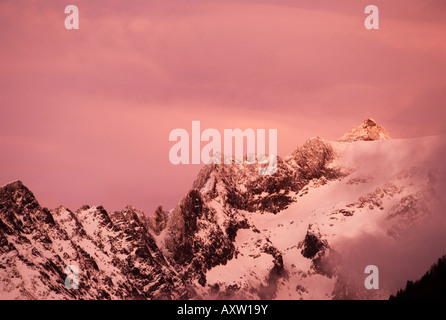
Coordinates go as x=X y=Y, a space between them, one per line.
x=369 y=130
x=115 y=253
x=16 y=192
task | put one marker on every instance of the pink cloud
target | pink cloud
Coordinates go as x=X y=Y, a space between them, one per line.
x=85 y=114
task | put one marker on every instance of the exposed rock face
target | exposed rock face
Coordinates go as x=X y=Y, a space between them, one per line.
x=195 y=240
x=369 y=130
x=312 y=160
x=158 y=221
x=312 y=244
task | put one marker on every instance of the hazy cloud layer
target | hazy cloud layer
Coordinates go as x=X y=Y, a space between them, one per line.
x=85 y=115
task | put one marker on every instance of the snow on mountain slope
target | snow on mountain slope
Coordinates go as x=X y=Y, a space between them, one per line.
x=384 y=195
x=115 y=254
x=369 y=130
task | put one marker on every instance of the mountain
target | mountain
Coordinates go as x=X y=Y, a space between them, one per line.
x=115 y=253
x=306 y=232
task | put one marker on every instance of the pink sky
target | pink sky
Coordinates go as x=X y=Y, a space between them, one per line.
x=85 y=114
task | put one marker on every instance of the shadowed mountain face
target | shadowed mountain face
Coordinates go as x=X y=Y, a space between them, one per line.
x=432 y=285
x=299 y=233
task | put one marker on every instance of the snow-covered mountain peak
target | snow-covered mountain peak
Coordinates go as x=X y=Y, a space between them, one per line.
x=367 y=131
